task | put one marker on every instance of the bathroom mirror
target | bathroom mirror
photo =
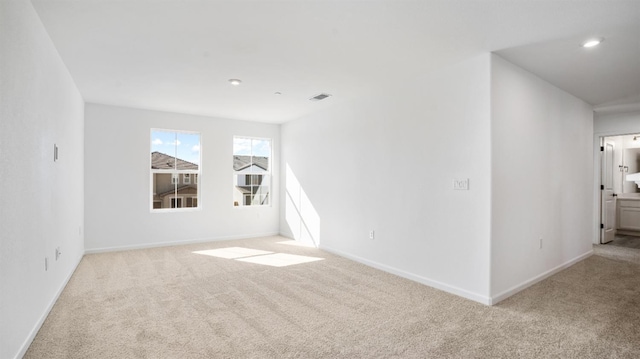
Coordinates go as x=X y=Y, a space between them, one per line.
x=631 y=163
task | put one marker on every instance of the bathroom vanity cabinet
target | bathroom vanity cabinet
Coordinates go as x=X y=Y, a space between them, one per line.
x=628 y=216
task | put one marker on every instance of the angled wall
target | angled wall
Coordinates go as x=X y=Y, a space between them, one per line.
x=42 y=201
x=542 y=179
x=386 y=164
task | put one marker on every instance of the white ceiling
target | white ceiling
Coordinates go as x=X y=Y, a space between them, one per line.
x=178 y=55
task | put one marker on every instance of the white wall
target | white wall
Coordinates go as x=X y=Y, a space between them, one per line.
x=616 y=124
x=542 y=178
x=345 y=170
x=117 y=150
x=42 y=201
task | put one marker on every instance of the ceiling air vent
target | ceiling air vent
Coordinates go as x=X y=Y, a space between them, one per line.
x=319 y=97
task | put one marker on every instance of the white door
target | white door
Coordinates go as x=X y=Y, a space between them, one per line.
x=608 y=201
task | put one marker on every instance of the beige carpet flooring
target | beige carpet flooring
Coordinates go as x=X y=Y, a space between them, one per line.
x=172 y=303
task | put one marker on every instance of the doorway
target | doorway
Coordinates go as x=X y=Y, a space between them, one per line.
x=619 y=190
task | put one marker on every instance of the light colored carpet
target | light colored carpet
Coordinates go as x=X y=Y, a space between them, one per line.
x=617 y=252
x=172 y=303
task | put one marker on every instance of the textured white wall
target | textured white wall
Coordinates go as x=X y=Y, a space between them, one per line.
x=345 y=171
x=42 y=201
x=117 y=149
x=542 y=178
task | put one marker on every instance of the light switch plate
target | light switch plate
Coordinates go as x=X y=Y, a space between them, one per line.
x=461 y=184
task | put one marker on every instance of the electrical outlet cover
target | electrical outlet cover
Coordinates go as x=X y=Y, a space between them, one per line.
x=461 y=184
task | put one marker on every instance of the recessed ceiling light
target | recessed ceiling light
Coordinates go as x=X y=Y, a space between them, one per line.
x=592 y=42
x=235 y=82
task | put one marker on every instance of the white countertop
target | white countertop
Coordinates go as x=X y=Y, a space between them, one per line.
x=628 y=197
x=633 y=177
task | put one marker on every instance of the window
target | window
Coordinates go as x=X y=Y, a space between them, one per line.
x=175 y=155
x=251 y=171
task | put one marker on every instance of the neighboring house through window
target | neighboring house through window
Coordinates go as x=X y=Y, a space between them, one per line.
x=252 y=171
x=175 y=159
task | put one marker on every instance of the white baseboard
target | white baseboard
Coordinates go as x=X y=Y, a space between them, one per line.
x=32 y=335
x=287 y=234
x=176 y=243
x=414 y=277
x=526 y=284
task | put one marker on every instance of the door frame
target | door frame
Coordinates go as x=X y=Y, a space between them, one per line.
x=598 y=141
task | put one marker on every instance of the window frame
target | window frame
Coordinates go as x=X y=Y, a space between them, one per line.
x=268 y=174
x=175 y=176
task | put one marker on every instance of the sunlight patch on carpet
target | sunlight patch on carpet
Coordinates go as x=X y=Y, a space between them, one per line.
x=232 y=252
x=279 y=259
